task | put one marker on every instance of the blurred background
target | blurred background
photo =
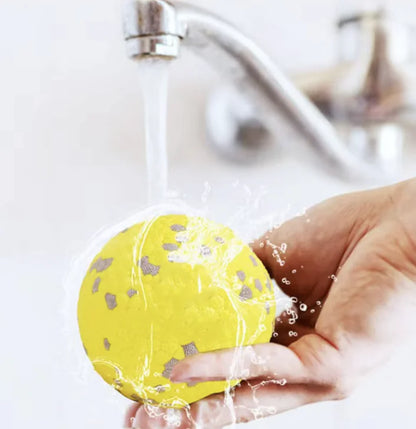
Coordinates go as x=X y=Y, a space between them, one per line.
x=72 y=162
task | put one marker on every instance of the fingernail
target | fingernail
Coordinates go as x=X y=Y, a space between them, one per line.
x=186 y=373
x=179 y=375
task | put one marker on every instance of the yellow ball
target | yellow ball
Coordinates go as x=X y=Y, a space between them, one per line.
x=165 y=289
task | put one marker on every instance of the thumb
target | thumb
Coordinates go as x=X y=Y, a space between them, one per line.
x=305 y=251
x=305 y=361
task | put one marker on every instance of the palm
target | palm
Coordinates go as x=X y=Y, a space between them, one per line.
x=352 y=273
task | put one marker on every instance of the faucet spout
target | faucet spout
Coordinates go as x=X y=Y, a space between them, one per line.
x=159 y=27
x=151 y=28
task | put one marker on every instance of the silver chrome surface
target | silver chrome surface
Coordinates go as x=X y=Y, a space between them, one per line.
x=370 y=95
x=151 y=27
x=157 y=46
x=375 y=79
x=237 y=129
x=270 y=91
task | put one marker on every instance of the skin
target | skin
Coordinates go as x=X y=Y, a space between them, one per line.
x=356 y=254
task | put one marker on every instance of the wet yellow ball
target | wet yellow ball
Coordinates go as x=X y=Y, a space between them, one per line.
x=165 y=289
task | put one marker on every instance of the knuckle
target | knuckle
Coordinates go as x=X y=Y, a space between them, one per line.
x=342 y=386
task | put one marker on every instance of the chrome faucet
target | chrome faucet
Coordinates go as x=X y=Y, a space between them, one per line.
x=246 y=121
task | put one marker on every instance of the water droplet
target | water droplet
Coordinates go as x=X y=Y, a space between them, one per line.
x=312 y=311
x=285 y=281
x=283 y=247
x=334 y=277
x=303 y=307
x=318 y=303
x=294 y=271
x=293 y=334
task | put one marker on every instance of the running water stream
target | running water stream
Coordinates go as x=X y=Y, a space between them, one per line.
x=154 y=83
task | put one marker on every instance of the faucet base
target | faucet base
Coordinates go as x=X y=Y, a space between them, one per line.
x=237 y=129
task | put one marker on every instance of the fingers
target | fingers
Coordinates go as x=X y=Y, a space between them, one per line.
x=311 y=359
x=247 y=402
x=150 y=417
x=130 y=415
x=289 y=377
x=263 y=360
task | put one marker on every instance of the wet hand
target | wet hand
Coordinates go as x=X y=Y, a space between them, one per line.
x=350 y=265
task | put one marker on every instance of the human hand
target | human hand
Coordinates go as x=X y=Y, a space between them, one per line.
x=351 y=262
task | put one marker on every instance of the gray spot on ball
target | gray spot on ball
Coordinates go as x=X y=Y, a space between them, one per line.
x=160 y=388
x=241 y=275
x=177 y=228
x=118 y=383
x=96 y=285
x=205 y=250
x=258 y=285
x=131 y=292
x=107 y=344
x=168 y=367
x=170 y=247
x=246 y=293
x=192 y=384
x=219 y=240
x=85 y=349
x=111 y=301
x=135 y=397
x=101 y=264
x=253 y=260
x=267 y=307
x=190 y=349
x=268 y=284
x=148 y=268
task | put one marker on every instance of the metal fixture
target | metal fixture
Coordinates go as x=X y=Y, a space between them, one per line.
x=161 y=28
x=152 y=28
x=371 y=95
